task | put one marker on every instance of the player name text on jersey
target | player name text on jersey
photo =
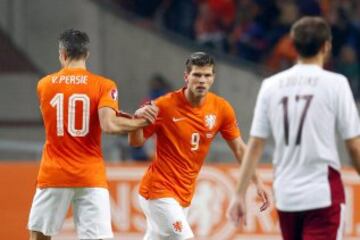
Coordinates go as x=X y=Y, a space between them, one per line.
x=70 y=79
x=298 y=81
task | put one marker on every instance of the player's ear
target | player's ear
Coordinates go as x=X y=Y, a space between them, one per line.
x=87 y=55
x=326 y=49
x=328 y=46
x=64 y=55
x=186 y=77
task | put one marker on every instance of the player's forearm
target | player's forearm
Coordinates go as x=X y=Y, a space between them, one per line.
x=239 y=157
x=246 y=173
x=238 y=147
x=136 y=138
x=247 y=169
x=239 y=154
x=121 y=125
x=255 y=178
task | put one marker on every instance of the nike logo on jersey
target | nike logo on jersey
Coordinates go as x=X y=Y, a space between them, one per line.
x=178 y=119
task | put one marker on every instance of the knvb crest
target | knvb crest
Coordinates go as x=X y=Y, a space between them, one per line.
x=210 y=120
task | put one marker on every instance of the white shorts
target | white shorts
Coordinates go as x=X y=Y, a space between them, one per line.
x=91 y=209
x=166 y=219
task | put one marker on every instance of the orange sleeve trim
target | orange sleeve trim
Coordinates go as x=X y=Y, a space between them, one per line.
x=232 y=137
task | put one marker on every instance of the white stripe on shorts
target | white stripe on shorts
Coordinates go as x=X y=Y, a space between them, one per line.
x=341 y=230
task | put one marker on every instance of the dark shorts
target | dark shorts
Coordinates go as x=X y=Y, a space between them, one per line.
x=318 y=224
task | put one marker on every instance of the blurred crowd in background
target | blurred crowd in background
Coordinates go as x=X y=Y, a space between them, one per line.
x=257 y=30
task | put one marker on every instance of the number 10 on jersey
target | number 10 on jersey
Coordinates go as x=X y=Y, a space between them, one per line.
x=58 y=102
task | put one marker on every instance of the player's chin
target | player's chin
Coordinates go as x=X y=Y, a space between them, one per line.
x=201 y=92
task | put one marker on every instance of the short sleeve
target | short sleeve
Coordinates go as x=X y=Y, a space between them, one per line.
x=229 y=128
x=347 y=116
x=260 y=126
x=109 y=95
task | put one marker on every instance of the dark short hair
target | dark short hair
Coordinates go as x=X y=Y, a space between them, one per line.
x=200 y=59
x=75 y=43
x=309 y=34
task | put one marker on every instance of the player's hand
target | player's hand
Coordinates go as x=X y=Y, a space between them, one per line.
x=237 y=210
x=264 y=196
x=149 y=112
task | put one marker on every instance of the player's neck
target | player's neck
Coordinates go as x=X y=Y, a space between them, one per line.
x=193 y=100
x=75 y=64
x=316 y=60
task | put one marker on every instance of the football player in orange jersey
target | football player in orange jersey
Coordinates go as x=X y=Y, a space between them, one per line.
x=187 y=123
x=76 y=105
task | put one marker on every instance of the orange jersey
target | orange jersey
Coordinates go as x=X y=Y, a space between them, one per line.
x=69 y=103
x=183 y=137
